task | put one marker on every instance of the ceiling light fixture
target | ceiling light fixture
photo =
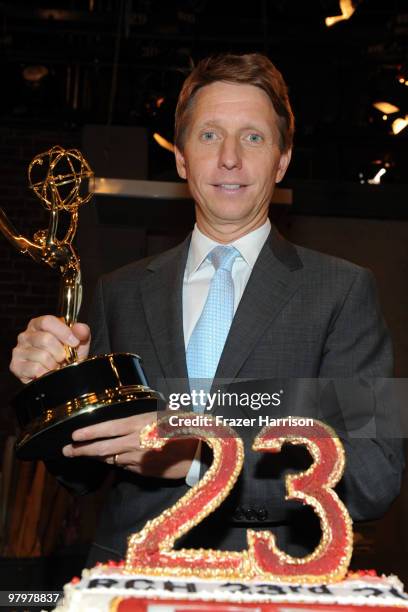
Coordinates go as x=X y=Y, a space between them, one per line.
x=163 y=142
x=347 y=10
x=399 y=124
x=33 y=74
x=376 y=180
x=386 y=107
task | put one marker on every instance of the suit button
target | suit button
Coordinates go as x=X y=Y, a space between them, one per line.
x=238 y=515
x=262 y=514
x=250 y=514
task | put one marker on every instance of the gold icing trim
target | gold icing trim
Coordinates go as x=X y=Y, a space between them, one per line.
x=115 y=603
x=327 y=535
x=166 y=545
x=248 y=567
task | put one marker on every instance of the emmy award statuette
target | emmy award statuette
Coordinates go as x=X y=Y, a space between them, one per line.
x=82 y=393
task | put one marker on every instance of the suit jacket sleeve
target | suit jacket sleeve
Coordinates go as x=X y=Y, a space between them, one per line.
x=82 y=475
x=356 y=364
x=358 y=345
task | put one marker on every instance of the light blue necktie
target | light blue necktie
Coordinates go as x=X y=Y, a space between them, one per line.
x=210 y=333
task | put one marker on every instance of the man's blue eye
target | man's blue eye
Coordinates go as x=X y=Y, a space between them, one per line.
x=208 y=136
x=254 y=138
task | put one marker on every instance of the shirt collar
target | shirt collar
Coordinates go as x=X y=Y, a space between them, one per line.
x=249 y=247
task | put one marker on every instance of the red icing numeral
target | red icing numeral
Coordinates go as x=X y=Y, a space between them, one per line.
x=151 y=550
x=329 y=561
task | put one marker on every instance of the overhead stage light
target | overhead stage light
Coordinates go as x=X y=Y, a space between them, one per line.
x=376 y=180
x=34 y=74
x=376 y=169
x=402 y=75
x=399 y=124
x=386 y=107
x=347 y=10
x=163 y=142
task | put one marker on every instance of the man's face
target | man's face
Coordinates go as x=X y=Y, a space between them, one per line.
x=231 y=157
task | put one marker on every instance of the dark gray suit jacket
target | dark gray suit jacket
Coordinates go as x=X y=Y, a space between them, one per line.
x=303 y=315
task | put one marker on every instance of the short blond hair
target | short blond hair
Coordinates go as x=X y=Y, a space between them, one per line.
x=249 y=69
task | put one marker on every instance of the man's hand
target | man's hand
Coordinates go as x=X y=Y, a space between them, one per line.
x=121 y=438
x=40 y=347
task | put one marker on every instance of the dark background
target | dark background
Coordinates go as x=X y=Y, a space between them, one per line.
x=76 y=73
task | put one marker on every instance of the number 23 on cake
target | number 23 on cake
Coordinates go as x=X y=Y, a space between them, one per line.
x=157 y=578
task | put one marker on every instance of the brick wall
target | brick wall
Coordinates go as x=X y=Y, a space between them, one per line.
x=27 y=289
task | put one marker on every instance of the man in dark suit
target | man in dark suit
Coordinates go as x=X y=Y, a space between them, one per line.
x=295 y=314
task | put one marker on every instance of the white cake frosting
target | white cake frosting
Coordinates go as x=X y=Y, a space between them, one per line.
x=100 y=586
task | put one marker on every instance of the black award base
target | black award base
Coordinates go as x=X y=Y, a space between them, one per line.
x=99 y=389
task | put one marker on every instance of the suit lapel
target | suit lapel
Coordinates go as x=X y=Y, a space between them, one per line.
x=270 y=286
x=162 y=290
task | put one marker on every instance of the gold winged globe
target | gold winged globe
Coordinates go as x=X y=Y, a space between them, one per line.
x=85 y=392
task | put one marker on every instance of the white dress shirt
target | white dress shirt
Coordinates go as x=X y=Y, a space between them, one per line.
x=197 y=278
x=199 y=271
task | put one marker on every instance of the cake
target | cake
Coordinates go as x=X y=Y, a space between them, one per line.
x=109 y=588
x=155 y=577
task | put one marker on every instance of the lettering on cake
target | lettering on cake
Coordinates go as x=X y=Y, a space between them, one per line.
x=158 y=586
x=140 y=583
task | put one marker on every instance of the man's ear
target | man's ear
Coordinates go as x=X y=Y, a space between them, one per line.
x=283 y=165
x=180 y=163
